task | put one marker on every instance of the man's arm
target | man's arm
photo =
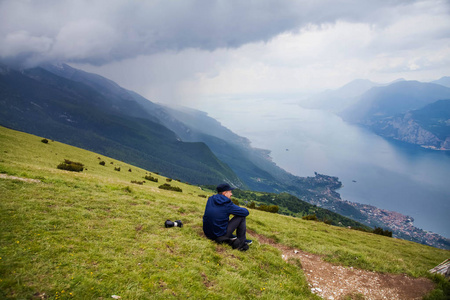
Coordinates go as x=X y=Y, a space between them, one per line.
x=238 y=211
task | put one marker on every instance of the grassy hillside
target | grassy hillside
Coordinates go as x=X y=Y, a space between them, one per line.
x=94 y=234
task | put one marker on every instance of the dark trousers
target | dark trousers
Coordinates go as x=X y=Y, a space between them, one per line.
x=236 y=223
x=239 y=224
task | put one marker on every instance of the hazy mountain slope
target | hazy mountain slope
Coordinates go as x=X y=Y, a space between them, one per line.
x=428 y=126
x=124 y=101
x=445 y=81
x=253 y=166
x=395 y=111
x=397 y=98
x=40 y=102
x=338 y=99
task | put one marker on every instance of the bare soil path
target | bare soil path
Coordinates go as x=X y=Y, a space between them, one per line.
x=331 y=281
x=5 y=176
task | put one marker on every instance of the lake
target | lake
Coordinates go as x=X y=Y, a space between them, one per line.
x=373 y=170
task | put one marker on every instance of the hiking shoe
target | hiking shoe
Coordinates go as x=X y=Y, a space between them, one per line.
x=244 y=247
x=248 y=242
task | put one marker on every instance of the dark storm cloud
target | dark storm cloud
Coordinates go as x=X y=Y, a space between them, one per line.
x=98 y=32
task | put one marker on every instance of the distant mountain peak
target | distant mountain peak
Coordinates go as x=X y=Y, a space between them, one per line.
x=397 y=80
x=445 y=81
x=391 y=100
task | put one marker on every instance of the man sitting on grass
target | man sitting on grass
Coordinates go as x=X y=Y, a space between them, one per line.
x=217 y=225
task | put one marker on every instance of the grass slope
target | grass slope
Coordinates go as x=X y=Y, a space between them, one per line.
x=94 y=234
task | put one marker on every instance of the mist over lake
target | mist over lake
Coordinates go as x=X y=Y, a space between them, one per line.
x=373 y=170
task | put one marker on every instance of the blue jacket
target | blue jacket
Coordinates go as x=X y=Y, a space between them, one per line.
x=217 y=214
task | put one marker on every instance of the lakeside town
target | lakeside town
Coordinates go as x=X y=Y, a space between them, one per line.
x=322 y=192
x=401 y=226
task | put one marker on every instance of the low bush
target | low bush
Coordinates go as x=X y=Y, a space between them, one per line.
x=117 y=169
x=137 y=182
x=328 y=221
x=167 y=186
x=148 y=177
x=381 y=231
x=102 y=163
x=269 y=208
x=71 y=166
x=45 y=141
x=310 y=218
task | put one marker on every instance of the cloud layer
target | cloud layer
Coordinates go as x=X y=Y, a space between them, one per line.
x=178 y=51
x=102 y=31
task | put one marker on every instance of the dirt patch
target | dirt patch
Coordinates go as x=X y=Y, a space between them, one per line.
x=331 y=281
x=5 y=176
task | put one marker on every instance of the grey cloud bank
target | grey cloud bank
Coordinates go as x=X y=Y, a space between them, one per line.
x=99 y=32
x=179 y=52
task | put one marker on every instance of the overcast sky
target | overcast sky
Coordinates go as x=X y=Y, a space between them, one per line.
x=183 y=51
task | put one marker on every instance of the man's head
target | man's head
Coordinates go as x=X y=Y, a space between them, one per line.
x=225 y=189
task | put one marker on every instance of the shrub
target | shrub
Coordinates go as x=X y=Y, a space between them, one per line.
x=117 y=169
x=137 y=182
x=310 y=217
x=381 y=231
x=102 y=163
x=235 y=201
x=148 y=177
x=328 y=221
x=71 y=166
x=202 y=196
x=252 y=205
x=129 y=170
x=167 y=186
x=269 y=208
x=168 y=179
x=45 y=141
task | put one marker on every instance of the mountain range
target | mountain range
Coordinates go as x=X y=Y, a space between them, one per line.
x=403 y=110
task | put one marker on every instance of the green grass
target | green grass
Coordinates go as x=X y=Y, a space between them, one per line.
x=93 y=234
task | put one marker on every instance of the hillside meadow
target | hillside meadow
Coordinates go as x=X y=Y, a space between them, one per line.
x=94 y=234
